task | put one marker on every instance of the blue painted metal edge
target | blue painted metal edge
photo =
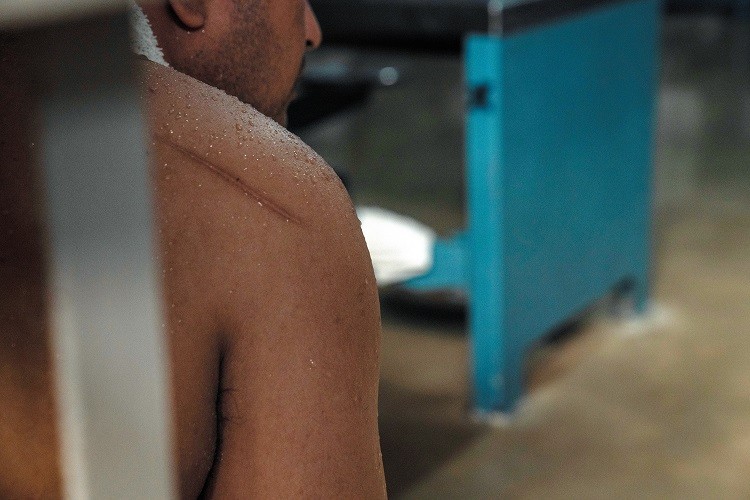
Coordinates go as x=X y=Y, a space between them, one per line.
x=484 y=152
x=449 y=270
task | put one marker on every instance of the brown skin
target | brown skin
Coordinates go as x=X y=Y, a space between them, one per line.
x=273 y=320
x=264 y=260
x=272 y=304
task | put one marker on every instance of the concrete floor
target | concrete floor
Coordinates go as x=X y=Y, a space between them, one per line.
x=654 y=408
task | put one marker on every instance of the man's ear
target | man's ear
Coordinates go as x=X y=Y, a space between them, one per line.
x=191 y=13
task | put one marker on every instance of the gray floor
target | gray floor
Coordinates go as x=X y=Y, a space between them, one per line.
x=657 y=408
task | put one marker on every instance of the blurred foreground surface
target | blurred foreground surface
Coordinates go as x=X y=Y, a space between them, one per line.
x=659 y=408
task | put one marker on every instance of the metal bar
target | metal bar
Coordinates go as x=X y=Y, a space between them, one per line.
x=527 y=14
x=433 y=25
x=449 y=270
x=484 y=150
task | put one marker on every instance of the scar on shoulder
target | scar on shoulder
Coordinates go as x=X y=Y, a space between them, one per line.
x=234 y=181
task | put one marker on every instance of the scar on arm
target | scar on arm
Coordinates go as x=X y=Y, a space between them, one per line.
x=235 y=182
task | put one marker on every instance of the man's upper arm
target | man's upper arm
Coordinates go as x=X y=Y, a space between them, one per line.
x=300 y=371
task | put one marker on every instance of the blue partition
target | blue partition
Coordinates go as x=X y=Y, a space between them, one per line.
x=559 y=151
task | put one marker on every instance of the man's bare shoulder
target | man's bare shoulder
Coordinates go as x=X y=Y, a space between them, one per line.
x=235 y=185
x=259 y=231
x=248 y=152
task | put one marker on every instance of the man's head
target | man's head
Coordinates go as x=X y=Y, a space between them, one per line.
x=252 y=49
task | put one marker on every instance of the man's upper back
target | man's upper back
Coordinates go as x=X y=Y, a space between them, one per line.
x=273 y=312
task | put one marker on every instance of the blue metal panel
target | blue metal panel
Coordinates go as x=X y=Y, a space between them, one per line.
x=559 y=139
x=577 y=160
x=559 y=152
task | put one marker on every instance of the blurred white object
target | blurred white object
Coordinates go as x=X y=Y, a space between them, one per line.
x=400 y=247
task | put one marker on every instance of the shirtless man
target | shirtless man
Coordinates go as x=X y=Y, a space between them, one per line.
x=273 y=320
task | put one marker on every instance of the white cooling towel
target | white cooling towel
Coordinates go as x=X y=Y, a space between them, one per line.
x=400 y=247
x=143 y=40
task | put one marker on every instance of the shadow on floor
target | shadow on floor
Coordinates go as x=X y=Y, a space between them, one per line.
x=445 y=311
x=414 y=444
x=424 y=405
x=423 y=411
